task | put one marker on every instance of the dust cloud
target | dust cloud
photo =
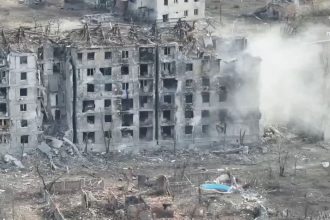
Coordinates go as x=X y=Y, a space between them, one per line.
x=291 y=79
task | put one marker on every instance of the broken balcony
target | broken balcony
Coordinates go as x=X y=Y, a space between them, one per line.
x=126 y=104
x=145 y=118
x=3 y=109
x=3 y=78
x=59 y=52
x=147 y=54
x=56 y=68
x=167 y=117
x=222 y=94
x=167 y=132
x=168 y=101
x=206 y=83
x=144 y=71
x=146 y=86
x=4 y=125
x=168 y=69
x=170 y=85
x=3 y=93
x=127 y=133
x=146 y=133
x=4 y=138
x=127 y=120
x=146 y=102
x=89 y=137
x=88 y=105
x=206 y=66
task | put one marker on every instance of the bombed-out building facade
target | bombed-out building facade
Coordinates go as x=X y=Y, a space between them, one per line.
x=145 y=93
x=121 y=88
x=21 y=94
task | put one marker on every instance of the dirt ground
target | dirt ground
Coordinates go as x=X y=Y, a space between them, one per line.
x=13 y=14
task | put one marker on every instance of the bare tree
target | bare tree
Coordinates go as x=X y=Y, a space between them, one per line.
x=241 y=137
x=46 y=187
x=22 y=151
x=86 y=143
x=221 y=129
x=282 y=158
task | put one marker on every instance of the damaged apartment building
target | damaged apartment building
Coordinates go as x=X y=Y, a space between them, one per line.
x=121 y=87
x=31 y=88
x=134 y=90
x=21 y=93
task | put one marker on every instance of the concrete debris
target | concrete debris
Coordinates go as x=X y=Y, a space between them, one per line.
x=54 y=142
x=325 y=164
x=73 y=146
x=241 y=150
x=47 y=150
x=10 y=159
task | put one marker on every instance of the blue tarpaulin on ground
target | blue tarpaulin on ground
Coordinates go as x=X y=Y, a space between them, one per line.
x=219 y=187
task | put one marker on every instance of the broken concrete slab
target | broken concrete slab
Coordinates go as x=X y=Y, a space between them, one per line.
x=73 y=146
x=10 y=159
x=54 y=142
x=46 y=149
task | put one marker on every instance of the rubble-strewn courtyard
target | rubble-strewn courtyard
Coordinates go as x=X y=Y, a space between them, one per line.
x=164 y=184
x=171 y=109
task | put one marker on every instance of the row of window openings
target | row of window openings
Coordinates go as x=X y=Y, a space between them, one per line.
x=90 y=136
x=143 y=69
x=190 y=114
x=107 y=87
x=107 y=55
x=89 y=104
x=108 y=71
x=91 y=119
x=205 y=83
x=176 y=1
x=185 y=13
x=23 y=122
x=107 y=103
x=188 y=129
x=205 y=97
x=124 y=54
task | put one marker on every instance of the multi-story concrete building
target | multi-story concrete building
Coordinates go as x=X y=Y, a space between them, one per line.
x=118 y=88
x=21 y=91
x=159 y=92
x=166 y=10
x=113 y=91
x=205 y=99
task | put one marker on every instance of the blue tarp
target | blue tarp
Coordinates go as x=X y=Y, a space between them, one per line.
x=219 y=187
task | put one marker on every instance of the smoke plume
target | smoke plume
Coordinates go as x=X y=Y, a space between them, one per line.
x=291 y=78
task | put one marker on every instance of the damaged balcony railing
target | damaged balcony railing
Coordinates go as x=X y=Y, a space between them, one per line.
x=88 y=105
x=147 y=54
x=146 y=102
x=145 y=118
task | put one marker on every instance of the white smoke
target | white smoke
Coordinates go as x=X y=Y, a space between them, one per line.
x=291 y=78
